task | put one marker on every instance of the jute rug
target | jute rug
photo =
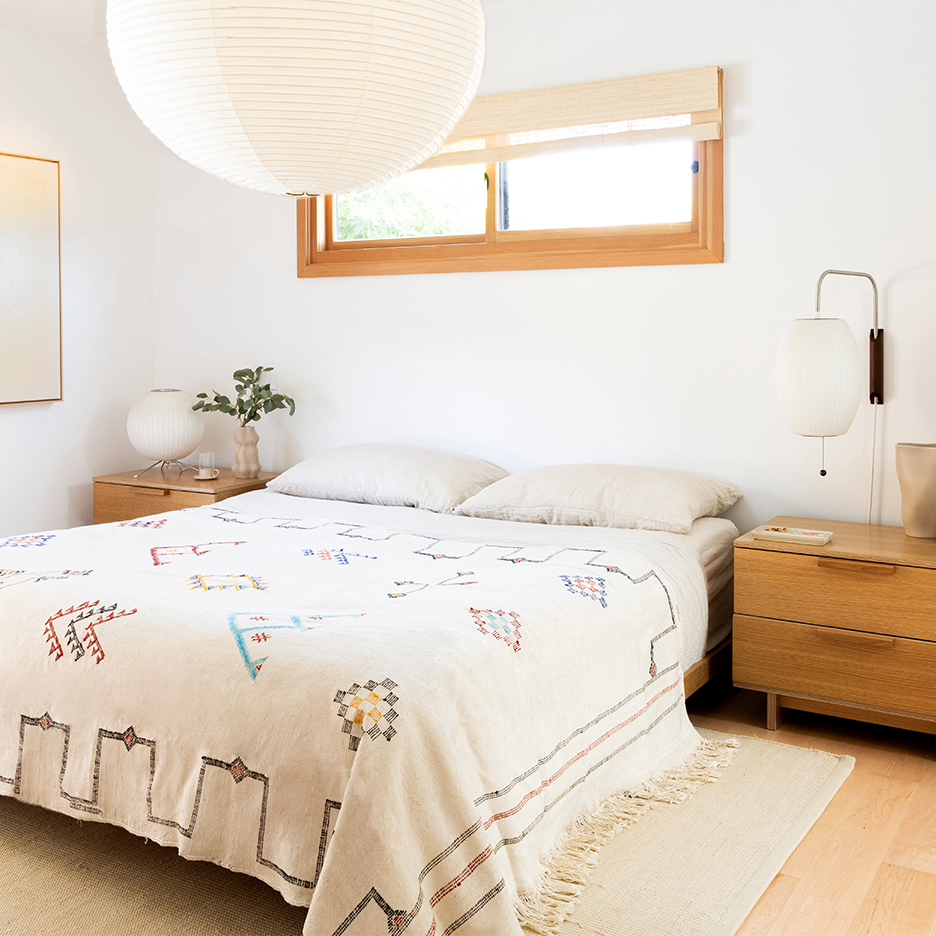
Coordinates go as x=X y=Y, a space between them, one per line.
x=692 y=869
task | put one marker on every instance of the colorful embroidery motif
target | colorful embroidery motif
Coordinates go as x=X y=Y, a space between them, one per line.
x=457 y=579
x=162 y=554
x=11 y=577
x=653 y=666
x=254 y=626
x=35 y=539
x=398 y=921
x=363 y=714
x=238 y=769
x=589 y=586
x=92 y=615
x=504 y=625
x=337 y=555
x=235 y=516
x=221 y=582
x=151 y=524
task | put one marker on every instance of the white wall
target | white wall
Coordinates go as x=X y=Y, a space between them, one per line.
x=60 y=100
x=825 y=167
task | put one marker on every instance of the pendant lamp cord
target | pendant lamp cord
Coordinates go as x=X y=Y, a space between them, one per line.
x=873 y=448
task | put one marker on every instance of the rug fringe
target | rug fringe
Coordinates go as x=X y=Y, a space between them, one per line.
x=542 y=910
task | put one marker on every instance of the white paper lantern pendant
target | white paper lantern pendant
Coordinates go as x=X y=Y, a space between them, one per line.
x=299 y=97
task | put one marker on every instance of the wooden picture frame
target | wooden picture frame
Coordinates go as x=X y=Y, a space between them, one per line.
x=30 y=280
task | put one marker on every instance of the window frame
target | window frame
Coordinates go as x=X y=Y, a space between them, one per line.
x=697 y=241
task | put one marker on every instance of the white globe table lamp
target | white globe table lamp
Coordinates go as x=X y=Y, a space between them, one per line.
x=162 y=427
x=299 y=97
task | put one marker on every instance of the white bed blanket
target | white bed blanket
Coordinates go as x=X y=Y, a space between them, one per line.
x=387 y=714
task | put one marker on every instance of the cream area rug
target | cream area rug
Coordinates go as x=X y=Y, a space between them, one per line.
x=693 y=868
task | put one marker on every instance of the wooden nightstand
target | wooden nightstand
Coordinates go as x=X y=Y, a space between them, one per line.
x=124 y=497
x=845 y=629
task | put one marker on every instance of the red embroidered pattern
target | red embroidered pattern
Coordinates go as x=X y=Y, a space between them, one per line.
x=587 y=750
x=504 y=625
x=93 y=614
x=199 y=549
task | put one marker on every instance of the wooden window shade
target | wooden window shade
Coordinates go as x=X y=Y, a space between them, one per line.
x=504 y=127
x=684 y=105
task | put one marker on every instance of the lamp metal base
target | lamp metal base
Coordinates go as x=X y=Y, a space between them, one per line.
x=167 y=463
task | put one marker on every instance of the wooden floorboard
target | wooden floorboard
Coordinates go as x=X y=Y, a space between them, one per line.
x=868 y=866
x=899 y=901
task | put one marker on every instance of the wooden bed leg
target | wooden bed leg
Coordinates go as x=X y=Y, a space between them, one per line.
x=774 y=711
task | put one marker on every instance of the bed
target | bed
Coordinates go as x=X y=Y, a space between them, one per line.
x=391 y=714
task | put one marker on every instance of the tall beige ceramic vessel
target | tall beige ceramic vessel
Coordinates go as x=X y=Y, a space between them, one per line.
x=916 y=473
x=246 y=457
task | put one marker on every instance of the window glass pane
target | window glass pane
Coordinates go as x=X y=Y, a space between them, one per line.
x=649 y=183
x=431 y=203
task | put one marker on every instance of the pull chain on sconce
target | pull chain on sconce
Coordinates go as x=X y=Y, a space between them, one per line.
x=819 y=374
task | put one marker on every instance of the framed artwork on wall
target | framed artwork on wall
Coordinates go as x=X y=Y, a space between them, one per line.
x=30 y=272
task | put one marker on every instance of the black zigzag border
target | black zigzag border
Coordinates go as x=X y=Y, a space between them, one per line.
x=130 y=738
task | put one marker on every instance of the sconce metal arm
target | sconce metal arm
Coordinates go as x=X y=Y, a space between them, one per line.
x=877 y=335
x=874 y=315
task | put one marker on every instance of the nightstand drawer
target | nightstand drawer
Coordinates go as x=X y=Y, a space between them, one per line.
x=124 y=502
x=847 y=593
x=892 y=673
x=129 y=495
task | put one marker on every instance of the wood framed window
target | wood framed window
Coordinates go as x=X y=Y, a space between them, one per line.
x=543 y=219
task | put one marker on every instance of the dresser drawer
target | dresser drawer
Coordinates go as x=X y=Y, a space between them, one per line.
x=126 y=502
x=845 y=593
x=893 y=673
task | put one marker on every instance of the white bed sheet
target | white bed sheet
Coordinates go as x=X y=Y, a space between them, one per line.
x=713 y=539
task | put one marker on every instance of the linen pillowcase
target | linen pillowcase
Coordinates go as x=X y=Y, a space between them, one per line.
x=392 y=475
x=624 y=496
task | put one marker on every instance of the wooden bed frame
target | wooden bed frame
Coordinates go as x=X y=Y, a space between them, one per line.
x=718 y=659
x=714 y=662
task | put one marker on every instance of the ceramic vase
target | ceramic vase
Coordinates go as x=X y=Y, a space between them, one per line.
x=246 y=457
x=916 y=473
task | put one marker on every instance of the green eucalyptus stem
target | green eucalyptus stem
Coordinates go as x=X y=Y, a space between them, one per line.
x=253 y=398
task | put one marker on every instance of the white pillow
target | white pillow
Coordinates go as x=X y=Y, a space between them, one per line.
x=603 y=495
x=392 y=475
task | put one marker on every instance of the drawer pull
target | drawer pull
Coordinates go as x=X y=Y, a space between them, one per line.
x=150 y=492
x=858 y=639
x=849 y=565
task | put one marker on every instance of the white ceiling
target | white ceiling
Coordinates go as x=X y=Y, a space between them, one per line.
x=79 y=22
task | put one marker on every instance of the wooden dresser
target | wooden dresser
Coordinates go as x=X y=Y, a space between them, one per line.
x=124 y=497
x=845 y=629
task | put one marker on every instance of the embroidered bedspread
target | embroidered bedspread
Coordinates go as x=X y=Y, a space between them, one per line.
x=386 y=714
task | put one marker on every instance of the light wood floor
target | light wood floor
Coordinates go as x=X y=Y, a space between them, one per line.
x=868 y=866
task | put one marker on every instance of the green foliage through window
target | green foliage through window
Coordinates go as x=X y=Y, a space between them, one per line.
x=433 y=203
